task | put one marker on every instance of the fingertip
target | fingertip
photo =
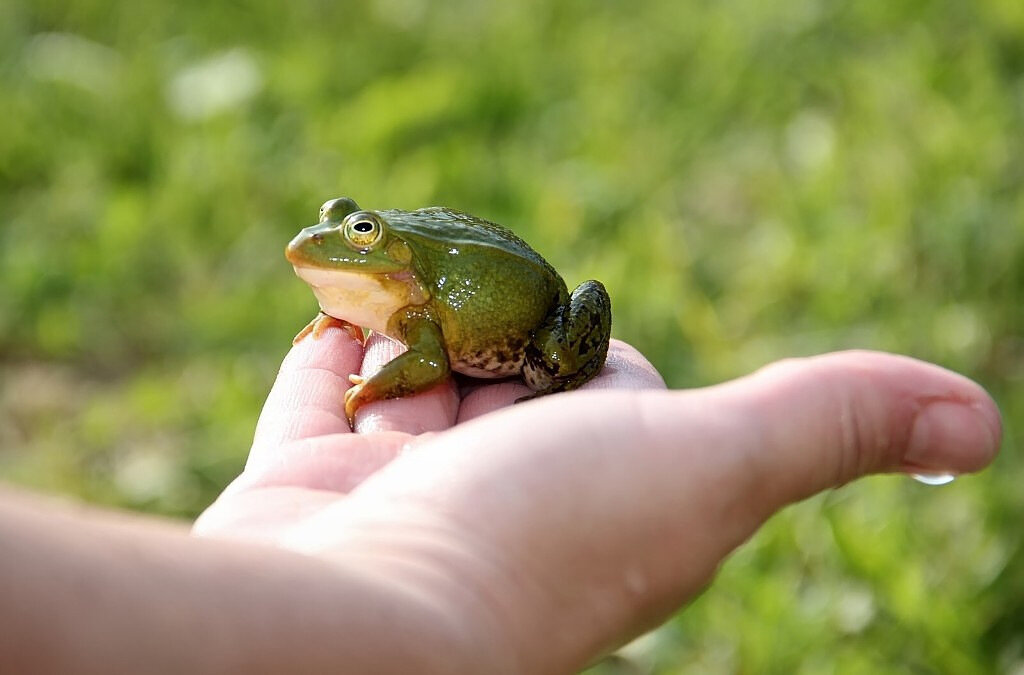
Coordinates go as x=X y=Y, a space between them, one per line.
x=988 y=410
x=335 y=349
x=951 y=437
x=626 y=368
x=829 y=419
x=956 y=426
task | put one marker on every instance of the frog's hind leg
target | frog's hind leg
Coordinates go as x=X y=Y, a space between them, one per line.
x=570 y=347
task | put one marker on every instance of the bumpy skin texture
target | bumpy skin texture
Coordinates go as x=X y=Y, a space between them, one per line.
x=571 y=346
x=462 y=293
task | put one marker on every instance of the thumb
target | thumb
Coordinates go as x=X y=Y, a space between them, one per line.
x=826 y=420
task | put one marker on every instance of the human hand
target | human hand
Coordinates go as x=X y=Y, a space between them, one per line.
x=547 y=533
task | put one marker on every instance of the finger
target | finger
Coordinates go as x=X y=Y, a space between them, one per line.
x=625 y=368
x=431 y=410
x=752 y=446
x=827 y=420
x=307 y=398
x=805 y=425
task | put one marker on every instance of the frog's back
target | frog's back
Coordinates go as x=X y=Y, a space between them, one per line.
x=437 y=227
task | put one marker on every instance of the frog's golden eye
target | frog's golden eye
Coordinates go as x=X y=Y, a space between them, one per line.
x=362 y=230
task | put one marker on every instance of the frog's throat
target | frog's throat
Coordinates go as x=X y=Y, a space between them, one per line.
x=367 y=300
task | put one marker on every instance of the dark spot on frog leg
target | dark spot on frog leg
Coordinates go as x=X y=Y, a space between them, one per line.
x=570 y=347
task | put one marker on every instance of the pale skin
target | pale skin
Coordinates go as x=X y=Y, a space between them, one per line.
x=531 y=540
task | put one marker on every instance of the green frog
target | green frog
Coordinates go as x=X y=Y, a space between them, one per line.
x=463 y=294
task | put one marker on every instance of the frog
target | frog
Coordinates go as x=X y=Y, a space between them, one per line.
x=463 y=295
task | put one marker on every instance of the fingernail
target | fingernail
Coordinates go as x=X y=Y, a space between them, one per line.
x=950 y=436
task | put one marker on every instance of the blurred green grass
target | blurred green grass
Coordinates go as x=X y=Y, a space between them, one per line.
x=750 y=180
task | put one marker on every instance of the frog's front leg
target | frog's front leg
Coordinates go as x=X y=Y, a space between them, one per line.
x=570 y=347
x=418 y=369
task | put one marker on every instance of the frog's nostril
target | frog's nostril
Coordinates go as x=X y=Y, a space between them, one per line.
x=317 y=237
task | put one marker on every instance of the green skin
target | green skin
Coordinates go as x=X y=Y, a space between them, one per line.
x=461 y=293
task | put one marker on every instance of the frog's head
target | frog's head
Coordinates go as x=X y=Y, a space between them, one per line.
x=350 y=239
x=358 y=267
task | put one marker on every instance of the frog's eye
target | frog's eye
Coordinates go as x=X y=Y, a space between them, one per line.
x=362 y=230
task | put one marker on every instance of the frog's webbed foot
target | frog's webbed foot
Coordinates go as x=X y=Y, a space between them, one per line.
x=321 y=322
x=570 y=347
x=418 y=369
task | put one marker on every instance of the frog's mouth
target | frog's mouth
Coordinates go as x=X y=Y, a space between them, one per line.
x=365 y=299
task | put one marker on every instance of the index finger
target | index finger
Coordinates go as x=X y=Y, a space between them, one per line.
x=307 y=398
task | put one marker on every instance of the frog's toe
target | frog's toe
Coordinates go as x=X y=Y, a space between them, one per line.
x=353 y=401
x=321 y=322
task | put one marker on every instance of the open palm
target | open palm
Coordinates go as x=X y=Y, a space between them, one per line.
x=536 y=536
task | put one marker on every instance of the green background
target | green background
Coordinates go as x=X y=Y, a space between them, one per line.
x=751 y=180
